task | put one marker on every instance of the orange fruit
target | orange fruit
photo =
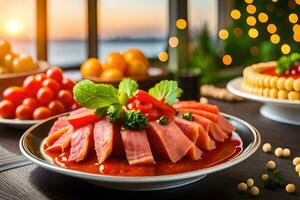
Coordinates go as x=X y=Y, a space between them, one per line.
x=8 y=59
x=91 y=67
x=5 y=48
x=23 y=63
x=115 y=60
x=111 y=75
x=133 y=54
x=136 y=68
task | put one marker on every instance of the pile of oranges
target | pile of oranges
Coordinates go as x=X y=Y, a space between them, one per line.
x=11 y=62
x=131 y=63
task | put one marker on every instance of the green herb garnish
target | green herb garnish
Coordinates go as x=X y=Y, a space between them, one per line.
x=188 y=116
x=285 y=63
x=128 y=87
x=163 y=120
x=135 y=120
x=166 y=89
x=274 y=182
x=114 y=113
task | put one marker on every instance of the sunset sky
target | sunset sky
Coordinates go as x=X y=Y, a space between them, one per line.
x=67 y=19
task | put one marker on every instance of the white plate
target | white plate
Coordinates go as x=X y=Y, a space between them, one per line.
x=20 y=124
x=32 y=140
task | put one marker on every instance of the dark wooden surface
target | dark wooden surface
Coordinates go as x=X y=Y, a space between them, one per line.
x=32 y=182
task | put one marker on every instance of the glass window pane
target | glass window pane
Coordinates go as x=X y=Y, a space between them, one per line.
x=67 y=31
x=17 y=19
x=127 y=24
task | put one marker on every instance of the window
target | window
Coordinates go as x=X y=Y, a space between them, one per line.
x=127 y=24
x=67 y=32
x=18 y=25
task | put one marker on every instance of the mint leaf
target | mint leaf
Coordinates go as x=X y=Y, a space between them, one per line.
x=93 y=96
x=166 y=89
x=128 y=86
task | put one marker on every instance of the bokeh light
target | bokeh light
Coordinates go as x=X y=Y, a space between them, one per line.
x=297 y=2
x=263 y=17
x=293 y=18
x=238 y=31
x=251 y=21
x=248 y=1
x=223 y=34
x=181 y=23
x=275 y=39
x=173 y=42
x=227 y=59
x=253 y=33
x=251 y=9
x=254 y=50
x=296 y=36
x=285 y=49
x=13 y=27
x=271 y=28
x=274 y=1
x=296 y=28
x=163 y=56
x=235 y=14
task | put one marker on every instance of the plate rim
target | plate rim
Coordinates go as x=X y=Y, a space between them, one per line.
x=18 y=122
x=231 y=86
x=144 y=179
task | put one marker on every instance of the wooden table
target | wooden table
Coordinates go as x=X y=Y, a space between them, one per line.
x=32 y=182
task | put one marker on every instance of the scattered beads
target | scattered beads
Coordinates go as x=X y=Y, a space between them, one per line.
x=264 y=177
x=271 y=164
x=290 y=188
x=250 y=182
x=286 y=152
x=278 y=152
x=267 y=147
x=242 y=187
x=254 y=191
x=296 y=161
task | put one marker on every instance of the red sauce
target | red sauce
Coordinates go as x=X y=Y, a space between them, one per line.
x=115 y=167
x=271 y=71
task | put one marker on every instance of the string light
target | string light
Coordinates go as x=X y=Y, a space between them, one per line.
x=275 y=39
x=296 y=36
x=253 y=33
x=251 y=21
x=223 y=34
x=263 y=17
x=251 y=9
x=173 y=42
x=235 y=14
x=248 y=1
x=285 y=49
x=254 y=50
x=293 y=18
x=163 y=56
x=227 y=59
x=296 y=28
x=238 y=31
x=181 y=23
x=271 y=28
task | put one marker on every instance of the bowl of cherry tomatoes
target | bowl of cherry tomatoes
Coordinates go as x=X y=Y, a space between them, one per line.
x=39 y=97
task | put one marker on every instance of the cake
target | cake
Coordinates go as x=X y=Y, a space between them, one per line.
x=276 y=79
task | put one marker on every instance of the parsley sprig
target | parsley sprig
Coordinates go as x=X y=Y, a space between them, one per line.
x=285 y=63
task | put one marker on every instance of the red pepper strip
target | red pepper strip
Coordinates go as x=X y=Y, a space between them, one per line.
x=81 y=119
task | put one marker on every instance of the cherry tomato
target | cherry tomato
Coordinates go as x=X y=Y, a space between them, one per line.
x=31 y=86
x=45 y=95
x=68 y=84
x=7 y=109
x=15 y=94
x=56 y=107
x=75 y=106
x=41 y=77
x=41 y=113
x=56 y=74
x=52 y=84
x=31 y=102
x=24 y=112
x=66 y=98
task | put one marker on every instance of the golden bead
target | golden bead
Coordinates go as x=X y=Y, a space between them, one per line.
x=280 y=83
x=273 y=93
x=293 y=95
x=273 y=82
x=288 y=85
x=282 y=94
x=296 y=84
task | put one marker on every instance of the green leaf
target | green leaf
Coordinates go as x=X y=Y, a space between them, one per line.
x=93 y=96
x=166 y=89
x=128 y=86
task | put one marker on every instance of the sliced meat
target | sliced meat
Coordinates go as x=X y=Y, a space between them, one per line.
x=197 y=105
x=194 y=153
x=80 y=110
x=205 y=142
x=59 y=127
x=103 y=139
x=118 y=147
x=168 y=141
x=211 y=116
x=189 y=128
x=63 y=142
x=82 y=140
x=225 y=125
x=83 y=118
x=137 y=147
x=217 y=133
x=205 y=123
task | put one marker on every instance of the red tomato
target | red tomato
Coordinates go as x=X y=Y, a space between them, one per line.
x=14 y=94
x=55 y=73
x=56 y=107
x=45 y=95
x=66 y=98
x=52 y=84
x=32 y=85
x=7 y=109
x=24 y=112
x=68 y=84
x=41 y=77
x=41 y=113
x=31 y=102
x=147 y=109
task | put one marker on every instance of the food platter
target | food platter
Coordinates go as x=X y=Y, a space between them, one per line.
x=281 y=110
x=32 y=140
